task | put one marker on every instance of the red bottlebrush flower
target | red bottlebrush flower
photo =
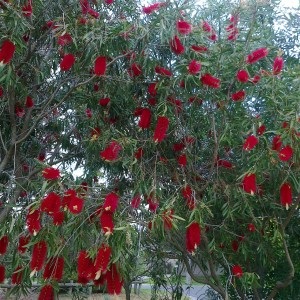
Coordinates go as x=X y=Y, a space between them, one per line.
x=235 y=245
x=242 y=76
x=107 y=222
x=250 y=142
x=139 y=153
x=193 y=237
x=237 y=271
x=114 y=282
x=3 y=244
x=135 y=70
x=58 y=218
x=261 y=129
x=152 y=101
x=194 y=67
x=93 y=13
x=208 y=29
x=100 y=66
x=276 y=143
x=176 y=46
x=104 y=101
x=2 y=273
x=88 y=113
x=178 y=147
x=111 y=152
x=111 y=202
x=108 y=2
x=95 y=133
x=277 y=65
x=153 y=7
x=286 y=197
x=39 y=253
x=210 y=81
x=161 y=129
x=67 y=62
x=256 y=55
x=238 y=96
x=249 y=184
x=33 y=221
x=29 y=102
x=199 y=48
x=96 y=87
x=183 y=27
x=41 y=156
x=1 y=91
x=152 y=89
x=102 y=260
x=23 y=241
x=224 y=163
x=188 y=195
x=153 y=203
x=182 y=160
x=46 y=293
x=17 y=275
x=255 y=79
x=54 y=268
x=233 y=34
x=51 y=173
x=20 y=111
x=7 y=51
x=251 y=227
x=136 y=201
x=145 y=118
x=162 y=71
x=65 y=39
x=85 y=267
x=27 y=9
x=285 y=153
x=73 y=203
x=84 y=4
x=167 y=217
x=51 y=203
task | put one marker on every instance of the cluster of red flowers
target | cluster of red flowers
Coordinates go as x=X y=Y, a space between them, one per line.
x=54 y=268
x=183 y=27
x=38 y=257
x=86 y=9
x=188 y=195
x=136 y=201
x=27 y=9
x=111 y=152
x=3 y=244
x=238 y=96
x=206 y=27
x=249 y=183
x=2 y=273
x=211 y=81
x=176 y=45
x=33 y=221
x=161 y=128
x=145 y=117
x=135 y=70
x=286 y=197
x=100 y=66
x=7 y=51
x=153 y=7
x=65 y=39
x=193 y=237
x=67 y=62
x=51 y=173
x=256 y=55
x=72 y=202
x=250 y=142
x=237 y=271
x=232 y=29
x=277 y=65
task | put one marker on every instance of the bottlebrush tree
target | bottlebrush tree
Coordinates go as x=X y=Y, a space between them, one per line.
x=177 y=122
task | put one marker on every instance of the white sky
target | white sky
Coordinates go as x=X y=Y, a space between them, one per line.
x=290 y=3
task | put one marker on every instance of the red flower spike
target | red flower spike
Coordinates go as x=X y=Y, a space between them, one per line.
x=73 y=202
x=249 y=184
x=46 y=293
x=199 y=48
x=286 y=197
x=152 y=101
x=242 y=76
x=136 y=201
x=210 y=81
x=58 y=218
x=277 y=65
x=135 y=70
x=176 y=46
x=261 y=130
x=114 y=282
x=285 y=153
x=23 y=241
x=183 y=27
x=20 y=111
x=162 y=71
x=139 y=153
x=235 y=246
x=65 y=39
x=93 y=13
x=182 y=160
x=1 y=91
x=67 y=62
x=256 y=55
x=27 y=9
x=224 y=163
x=178 y=147
x=255 y=79
x=7 y=51
x=238 y=96
x=188 y=195
x=145 y=118
x=194 y=67
x=161 y=128
x=38 y=257
x=111 y=202
x=2 y=273
x=153 y=7
x=237 y=271
x=33 y=221
x=152 y=89
x=17 y=275
x=3 y=244
x=88 y=113
x=250 y=142
x=251 y=227
x=84 y=4
x=51 y=203
x=153 y=204
x=193 y=237
x=108 y=2
x=168 y=219
x=51 y=173
x=100 y=66
x=111 y=152
x=208 y=29
x=85 y=267
x=102 y=260
x=29 y=102
x=54 y=268
x=106 y=222
x=276 y=143
x=104 y=101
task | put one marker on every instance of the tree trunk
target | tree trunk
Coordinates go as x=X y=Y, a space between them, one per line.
x=127 y=288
